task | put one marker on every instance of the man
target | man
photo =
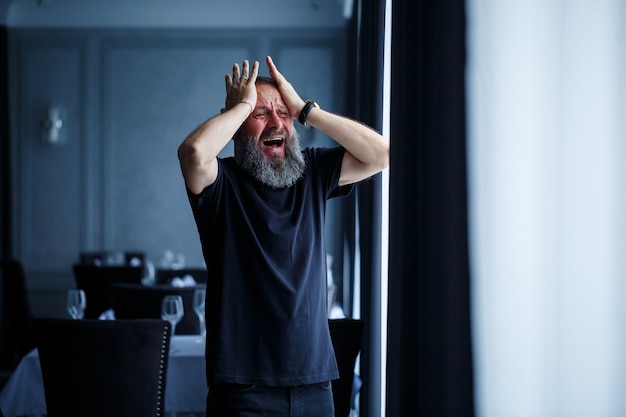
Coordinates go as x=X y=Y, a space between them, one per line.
x=260 y=217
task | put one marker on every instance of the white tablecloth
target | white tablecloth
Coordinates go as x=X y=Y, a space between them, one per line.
x=185 y=390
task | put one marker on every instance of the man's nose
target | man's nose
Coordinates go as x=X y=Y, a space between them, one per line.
x=275 y=121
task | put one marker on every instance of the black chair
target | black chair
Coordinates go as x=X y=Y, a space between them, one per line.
x=139 y=301
x=103 y=368
x=17 y=314
x=95 y=281
x=346 y=335
x=165 y=276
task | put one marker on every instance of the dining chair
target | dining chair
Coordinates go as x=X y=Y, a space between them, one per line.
x=17 y=315
x=346 y=335
x=103 y=368
x=95 y=281
x=165 y=276
x=132 y=301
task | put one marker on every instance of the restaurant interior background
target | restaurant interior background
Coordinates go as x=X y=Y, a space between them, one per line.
x=99 y=95
x=543 y=142
x=128 y=84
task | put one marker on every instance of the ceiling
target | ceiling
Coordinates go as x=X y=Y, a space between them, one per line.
x=175 y=13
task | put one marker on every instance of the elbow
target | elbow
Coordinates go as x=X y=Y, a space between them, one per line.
x=183 y=151
x=187 y=153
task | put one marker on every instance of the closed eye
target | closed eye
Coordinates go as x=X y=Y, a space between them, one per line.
x=264 y=113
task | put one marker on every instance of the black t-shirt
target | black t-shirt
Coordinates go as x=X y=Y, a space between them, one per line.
x=265 y=252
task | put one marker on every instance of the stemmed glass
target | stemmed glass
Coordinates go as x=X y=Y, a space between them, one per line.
x=76 y=303
x=199 y=297
x=172 y=310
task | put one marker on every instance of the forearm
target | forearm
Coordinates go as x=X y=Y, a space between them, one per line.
x=198 y=152
x=208 y=139
x=364 y=143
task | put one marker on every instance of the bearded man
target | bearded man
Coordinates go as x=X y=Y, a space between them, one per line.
x=260 y=217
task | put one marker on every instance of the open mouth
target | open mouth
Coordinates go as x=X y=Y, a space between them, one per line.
x=275 y=142
x=274 y=138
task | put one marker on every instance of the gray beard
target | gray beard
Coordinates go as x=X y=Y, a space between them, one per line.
x=275 y=174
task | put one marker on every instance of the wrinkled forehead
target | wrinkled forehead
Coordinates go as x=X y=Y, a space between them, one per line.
x=268 y=95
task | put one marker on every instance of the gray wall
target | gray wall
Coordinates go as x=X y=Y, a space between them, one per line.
x=129 y=97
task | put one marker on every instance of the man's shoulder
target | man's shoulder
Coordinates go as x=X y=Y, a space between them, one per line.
x=226 y=160
x=323 y=152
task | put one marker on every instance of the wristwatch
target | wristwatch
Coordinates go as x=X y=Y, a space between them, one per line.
x=309 y=104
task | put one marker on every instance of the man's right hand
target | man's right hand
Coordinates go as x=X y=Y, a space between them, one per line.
x=240 y=86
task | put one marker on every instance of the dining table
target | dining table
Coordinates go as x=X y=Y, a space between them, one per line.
x=185 y=389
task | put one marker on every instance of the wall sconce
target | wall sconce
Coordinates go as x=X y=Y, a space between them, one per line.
x=53 y=130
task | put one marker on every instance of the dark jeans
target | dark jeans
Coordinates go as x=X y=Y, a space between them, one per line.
x=234 y=400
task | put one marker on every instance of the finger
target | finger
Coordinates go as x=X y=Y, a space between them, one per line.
x=244 y=70
x=235 y=72
x=229 y=80
x=255 y=71
x=273 y=70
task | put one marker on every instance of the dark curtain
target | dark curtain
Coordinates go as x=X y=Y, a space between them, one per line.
x=5 y=360
x=429 y=365
x=4 y=145
x=365 y=92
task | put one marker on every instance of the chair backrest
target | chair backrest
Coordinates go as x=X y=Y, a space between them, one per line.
x=131 y=301
x=95 y=281
x=346 y=335
x=165 y=276
x=17 y=338
x=103 y=368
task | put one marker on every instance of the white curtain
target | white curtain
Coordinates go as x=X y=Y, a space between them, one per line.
x=547 y=185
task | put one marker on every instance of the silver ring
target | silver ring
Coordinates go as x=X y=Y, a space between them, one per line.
x=244 y=78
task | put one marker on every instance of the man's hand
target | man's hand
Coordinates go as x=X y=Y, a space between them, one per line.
x=240 y=86
x=291 y=98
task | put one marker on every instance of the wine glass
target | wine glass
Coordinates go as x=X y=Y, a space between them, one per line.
x=199 y=297
x=172 y=310
x=76 y=303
